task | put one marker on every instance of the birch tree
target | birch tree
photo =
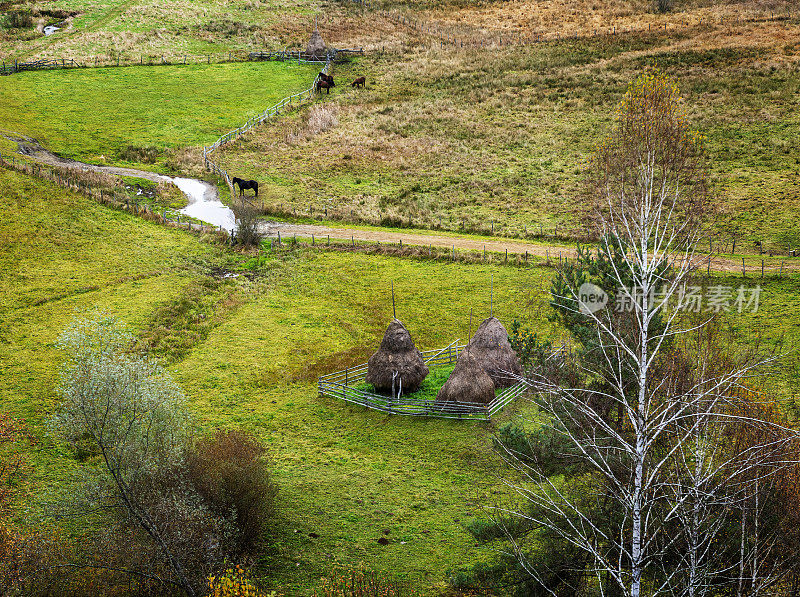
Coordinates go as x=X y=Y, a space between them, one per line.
x=655 y=465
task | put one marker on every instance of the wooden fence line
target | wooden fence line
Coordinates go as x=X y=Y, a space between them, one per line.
x=271 y=112
x=720 y=243
x=106 y=196
x=457 y=255
x=159 y=59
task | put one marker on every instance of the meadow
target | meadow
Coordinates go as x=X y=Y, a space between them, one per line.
x=173 y=28
x=464 y=140
x=346 y=474
x=457 y=140
x=142 y=115
x=468 y=140
x=247 y=349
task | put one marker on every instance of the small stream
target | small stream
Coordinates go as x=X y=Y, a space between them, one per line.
x=204 y=203
x=202 y=197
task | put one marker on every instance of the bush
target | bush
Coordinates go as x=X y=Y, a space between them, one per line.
x=16 y=19
x=247 y=233
x=360 y=583
x=234 y=583
x=230 y=471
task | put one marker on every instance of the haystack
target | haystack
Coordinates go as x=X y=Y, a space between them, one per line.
x=493 y=352
x=316 y=47
x=397 y=353
x=467 y=383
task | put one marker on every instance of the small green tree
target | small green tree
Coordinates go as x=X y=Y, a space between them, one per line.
x=128 y=411
x=174 y=511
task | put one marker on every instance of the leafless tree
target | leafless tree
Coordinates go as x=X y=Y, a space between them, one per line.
x=657 y=463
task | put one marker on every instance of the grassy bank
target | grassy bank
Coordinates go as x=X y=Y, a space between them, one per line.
x=247 y=350
x=142 y=115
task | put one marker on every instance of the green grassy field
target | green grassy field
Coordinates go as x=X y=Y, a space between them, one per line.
x=112 y=27
x=464 y=137
x=63 y=256
x=345 y=473
x=247 y=351
x=96 y=114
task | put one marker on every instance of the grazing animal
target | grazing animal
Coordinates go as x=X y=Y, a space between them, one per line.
x=324 y=85
x=245 y=184
x=327 y=79
x=360 y=82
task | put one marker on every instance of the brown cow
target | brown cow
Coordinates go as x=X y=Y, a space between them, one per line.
x=360 y=82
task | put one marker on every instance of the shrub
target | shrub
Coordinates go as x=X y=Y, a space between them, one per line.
x=664 y=5
x=247 y=233
x=358 y=582
x=234 y=583
x=230 y=471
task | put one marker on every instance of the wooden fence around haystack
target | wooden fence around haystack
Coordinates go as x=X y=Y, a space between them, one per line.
x=344 y=385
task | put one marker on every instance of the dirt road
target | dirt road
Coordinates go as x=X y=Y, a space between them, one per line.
x=31 y=148
x=553 y=251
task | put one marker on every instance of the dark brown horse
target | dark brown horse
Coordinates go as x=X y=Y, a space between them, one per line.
x=327 y=79
x=360 y=82
x=324 y=85
x=245 y=184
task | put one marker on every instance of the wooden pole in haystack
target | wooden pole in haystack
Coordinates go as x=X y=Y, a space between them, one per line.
x=491 y=298
x=394 y=310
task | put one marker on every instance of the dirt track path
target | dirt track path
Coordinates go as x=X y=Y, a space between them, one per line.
x=516 y=247
x=31 y=148
x=390 y=236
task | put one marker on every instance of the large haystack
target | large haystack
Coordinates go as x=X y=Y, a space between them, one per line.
x=397 y=353
x=467 y=383
x=315 y=46
x=493 y=352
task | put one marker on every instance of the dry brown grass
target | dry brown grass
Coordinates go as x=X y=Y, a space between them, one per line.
x=586 y=17
x=320 y=119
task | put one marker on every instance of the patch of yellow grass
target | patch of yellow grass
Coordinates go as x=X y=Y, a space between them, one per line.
x=565 y=18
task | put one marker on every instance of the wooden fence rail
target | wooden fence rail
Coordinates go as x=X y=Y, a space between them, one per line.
x=271 y=112
x=344 y=385
x=120 y=59
x=112 y=197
